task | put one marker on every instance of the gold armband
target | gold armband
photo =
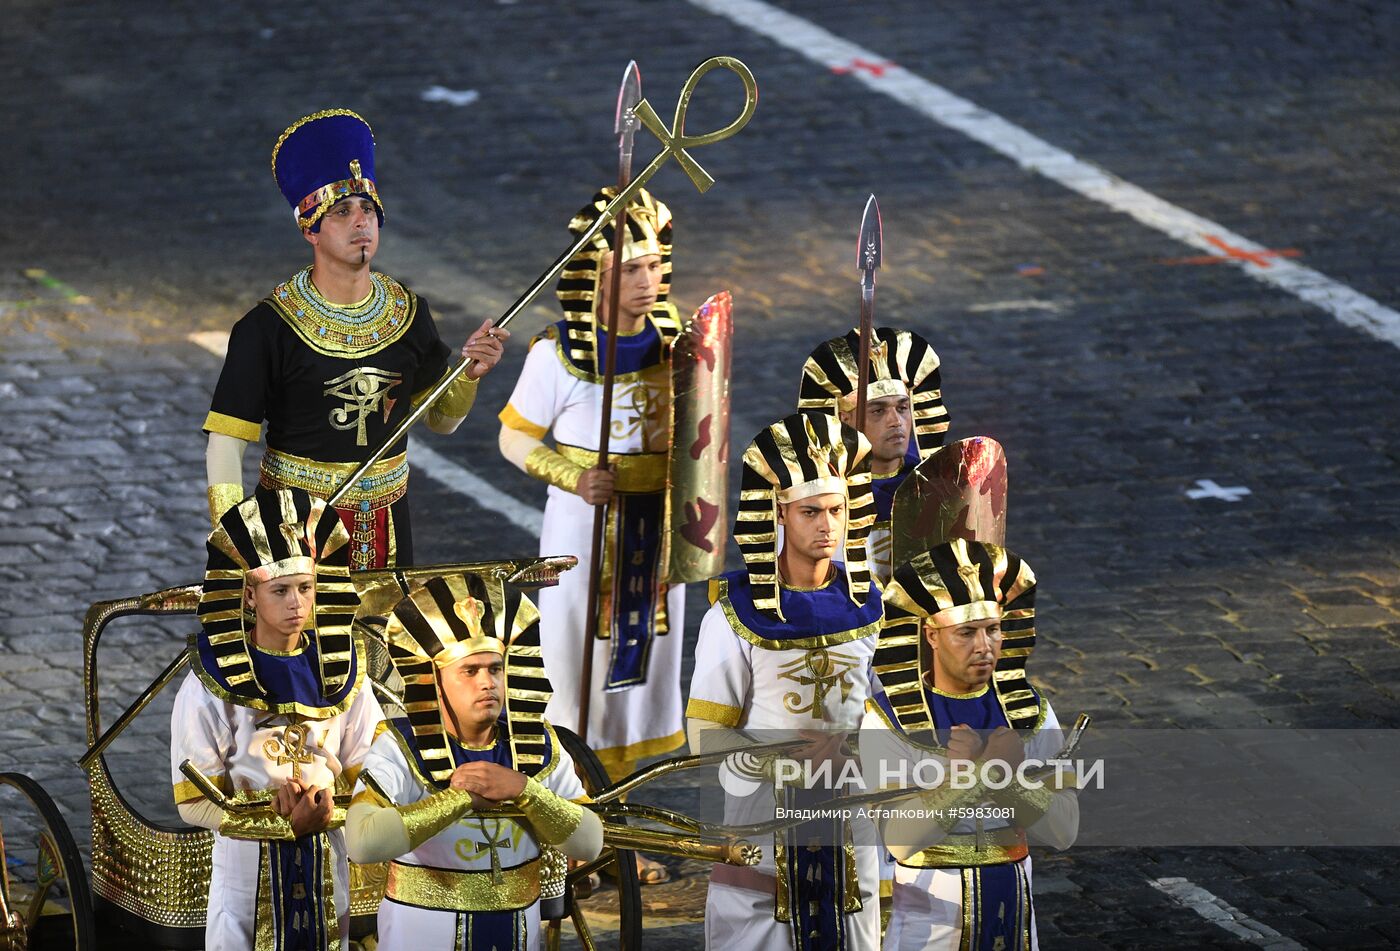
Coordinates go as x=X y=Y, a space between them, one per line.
x=552 y=817
x=222 y=497
x=1030 y=804
x=427 y=817
x=261 y=823
x=943 y=800
x=548 y=466
x=456 y=401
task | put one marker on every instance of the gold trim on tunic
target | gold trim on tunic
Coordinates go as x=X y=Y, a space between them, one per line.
x=511 y=418
x=614 y=755
x=792 y=643
x=997 y=847
x=721 y=713
x=633 y=471
x=226 y=425
x=384 y=484
x=441 y=889
x=345 y=330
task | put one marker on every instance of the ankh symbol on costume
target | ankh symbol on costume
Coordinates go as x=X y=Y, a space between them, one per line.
x=290 y=747
x=494 y=842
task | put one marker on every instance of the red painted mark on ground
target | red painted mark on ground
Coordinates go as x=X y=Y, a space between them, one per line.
x=875 y=69
x=1231 y=253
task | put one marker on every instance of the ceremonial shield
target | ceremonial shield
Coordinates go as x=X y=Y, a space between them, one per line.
x=697 y=470
x=957 y=492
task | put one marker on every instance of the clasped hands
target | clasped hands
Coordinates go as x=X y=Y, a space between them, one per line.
x=1001 y=745
x=308 y=808
x=490 y=784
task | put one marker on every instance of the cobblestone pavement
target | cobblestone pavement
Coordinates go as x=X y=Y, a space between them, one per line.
x=142 y=211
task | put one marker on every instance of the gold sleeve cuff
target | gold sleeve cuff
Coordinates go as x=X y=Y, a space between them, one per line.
x=942 y=800
x=222 y=497
x=427 y=817
x=510 y=418
x=1030 y=804
x=456 y=401
x=547 y=465
x=233 y=426
x=721 y=713
x=261 y=823
x=553 y=817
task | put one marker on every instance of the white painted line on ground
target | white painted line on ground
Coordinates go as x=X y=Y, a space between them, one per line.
x=998 y=305
x=1034 y=154
x=1212 y=909
x=429 y=462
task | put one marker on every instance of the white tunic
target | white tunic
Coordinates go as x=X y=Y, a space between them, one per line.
x=779 y=692
x=240 y=748
x=927 y=910
x=644 y=719
x=464 y=846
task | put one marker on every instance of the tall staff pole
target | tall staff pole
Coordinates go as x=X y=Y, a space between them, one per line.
x=624 y=126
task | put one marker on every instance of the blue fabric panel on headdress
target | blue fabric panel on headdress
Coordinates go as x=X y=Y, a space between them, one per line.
x=884 y=490
x=320 y=152
x=294 y=679
x=809 y=613
x=499 y=753
x=980 y=713
x=635 y=352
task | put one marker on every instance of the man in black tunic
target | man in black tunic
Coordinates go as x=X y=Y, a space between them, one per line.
x=337 y=355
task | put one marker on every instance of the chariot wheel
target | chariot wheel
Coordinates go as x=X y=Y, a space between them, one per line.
x=594 y=912
x=45 y=903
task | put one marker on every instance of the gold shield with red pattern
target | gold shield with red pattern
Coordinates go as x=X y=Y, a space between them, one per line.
x=695 y=533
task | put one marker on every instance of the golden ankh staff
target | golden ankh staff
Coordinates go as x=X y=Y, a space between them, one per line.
x=674 y=144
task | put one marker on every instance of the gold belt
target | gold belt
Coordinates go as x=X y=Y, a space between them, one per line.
x=635 y=471
x=383 y=485
x=997 y=847
x=443 y=889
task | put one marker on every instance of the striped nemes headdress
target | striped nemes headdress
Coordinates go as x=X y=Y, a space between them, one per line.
x=271 y=534
x=795 y=458
x=953 y=583
x=648 y=232
x=901 y=364
x=322 y=158
x=454 y=616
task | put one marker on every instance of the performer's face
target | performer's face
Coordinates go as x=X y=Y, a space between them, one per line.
x=472 y=688
x=349 y=232
x=964 y=655
x=283 y=604
x=888 y=424
x=641 y=282
x=813 y=527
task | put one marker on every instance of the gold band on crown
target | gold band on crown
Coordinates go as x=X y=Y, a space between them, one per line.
x=296 y=565
x=963 y=613
x=452 y=653
x=805 y=490
x=874 y=390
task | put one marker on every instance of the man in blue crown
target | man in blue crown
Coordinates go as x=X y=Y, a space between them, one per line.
x=336 y=356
